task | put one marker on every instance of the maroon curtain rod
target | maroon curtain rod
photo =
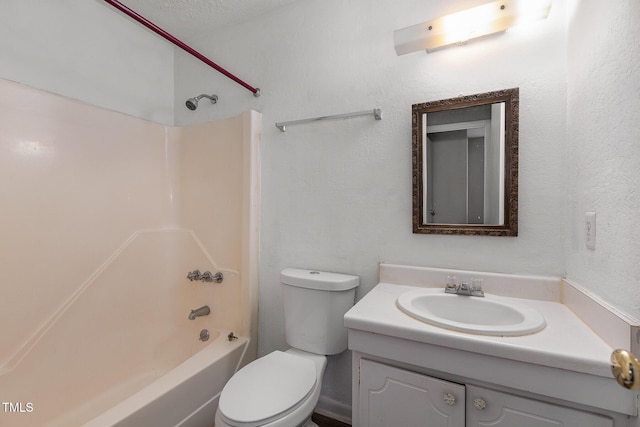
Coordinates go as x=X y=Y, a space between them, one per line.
x=153 y=27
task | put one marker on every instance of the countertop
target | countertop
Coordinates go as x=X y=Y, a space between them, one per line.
x=566 y=342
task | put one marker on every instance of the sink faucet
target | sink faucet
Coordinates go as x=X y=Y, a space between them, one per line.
x=202 y=311
x=473 y=290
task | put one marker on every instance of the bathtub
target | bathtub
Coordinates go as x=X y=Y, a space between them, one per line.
x=122 y=351
x=186 y=396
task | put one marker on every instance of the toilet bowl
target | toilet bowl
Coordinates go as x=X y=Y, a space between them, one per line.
x=282 y=389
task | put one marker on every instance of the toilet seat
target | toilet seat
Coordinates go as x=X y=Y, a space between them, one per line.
x=249 y=398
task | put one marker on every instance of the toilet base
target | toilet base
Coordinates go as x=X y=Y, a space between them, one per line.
x=309 y=423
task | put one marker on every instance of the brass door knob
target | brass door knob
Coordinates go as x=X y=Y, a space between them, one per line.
x=624 y=367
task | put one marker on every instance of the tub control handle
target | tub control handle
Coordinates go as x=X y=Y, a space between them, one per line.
x=624 y=366
x=193 y=275
x=207 y=276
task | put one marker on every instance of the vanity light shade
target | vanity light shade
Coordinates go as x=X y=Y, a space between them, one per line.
x=460 y=27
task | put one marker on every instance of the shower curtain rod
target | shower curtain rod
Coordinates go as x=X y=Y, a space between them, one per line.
x=153 y=27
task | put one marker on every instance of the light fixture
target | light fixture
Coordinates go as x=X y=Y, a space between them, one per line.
x=460 y=27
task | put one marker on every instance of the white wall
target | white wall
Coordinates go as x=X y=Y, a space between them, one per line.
x=89 y=51
x=337 y=195
x=603 y=143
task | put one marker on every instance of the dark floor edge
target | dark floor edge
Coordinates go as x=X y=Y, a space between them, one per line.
x=324 y=421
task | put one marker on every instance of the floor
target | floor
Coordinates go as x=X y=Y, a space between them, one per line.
x=323 y=421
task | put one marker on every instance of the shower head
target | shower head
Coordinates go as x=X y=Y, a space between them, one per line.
x=192 y=103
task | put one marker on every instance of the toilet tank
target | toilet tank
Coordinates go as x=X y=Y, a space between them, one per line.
x=315 y=303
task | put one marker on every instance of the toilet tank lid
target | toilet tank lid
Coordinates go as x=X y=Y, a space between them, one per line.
x=321 y=280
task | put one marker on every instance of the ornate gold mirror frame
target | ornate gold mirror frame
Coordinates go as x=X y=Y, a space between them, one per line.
x=509 y=224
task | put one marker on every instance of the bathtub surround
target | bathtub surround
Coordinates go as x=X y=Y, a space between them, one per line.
x=124 y=331
x=338 y=197
x=113 y=212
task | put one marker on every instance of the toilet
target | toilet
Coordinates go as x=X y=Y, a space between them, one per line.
x=282 y=389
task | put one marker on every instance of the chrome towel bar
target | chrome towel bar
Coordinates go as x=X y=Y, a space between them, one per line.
x=376 y=113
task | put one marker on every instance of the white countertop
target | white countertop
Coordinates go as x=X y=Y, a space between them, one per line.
x=565 y=343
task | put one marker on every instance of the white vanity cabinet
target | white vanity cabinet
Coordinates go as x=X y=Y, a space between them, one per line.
x=487 y=407
x=409 y=373
x=390 y=396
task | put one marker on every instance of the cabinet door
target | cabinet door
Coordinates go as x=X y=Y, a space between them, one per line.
x=393 y=397
x=492 y=408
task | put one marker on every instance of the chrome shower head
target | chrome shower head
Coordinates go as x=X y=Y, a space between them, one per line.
x=192 y=103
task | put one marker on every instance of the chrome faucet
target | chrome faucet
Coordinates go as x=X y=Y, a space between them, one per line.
x=473 y=290
x=202 y=311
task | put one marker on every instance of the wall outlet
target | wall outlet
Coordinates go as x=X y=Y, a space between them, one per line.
x=590 y=230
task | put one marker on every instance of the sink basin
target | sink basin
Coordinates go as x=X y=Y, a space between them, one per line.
x=491 y=315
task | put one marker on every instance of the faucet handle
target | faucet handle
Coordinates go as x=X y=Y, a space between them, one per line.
x=193 y=275
x=476 y=287
x=450 y=286
x=208 y=277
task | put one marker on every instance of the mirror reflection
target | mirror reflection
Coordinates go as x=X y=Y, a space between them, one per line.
x=465 y=165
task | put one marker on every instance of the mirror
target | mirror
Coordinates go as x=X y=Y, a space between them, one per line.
x=465 y=165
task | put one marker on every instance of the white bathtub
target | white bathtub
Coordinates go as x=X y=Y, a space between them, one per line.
x=122 y=351
x=186 y=396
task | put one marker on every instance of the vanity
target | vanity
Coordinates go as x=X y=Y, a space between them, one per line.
x=409 y=372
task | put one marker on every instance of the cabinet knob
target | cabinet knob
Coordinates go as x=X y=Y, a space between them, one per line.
x=449 y=399
x=479 y=404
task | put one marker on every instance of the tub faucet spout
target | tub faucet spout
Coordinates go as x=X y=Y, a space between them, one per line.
x=202 y=311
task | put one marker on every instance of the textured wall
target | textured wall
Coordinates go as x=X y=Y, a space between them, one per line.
x=337 y=195
x=603 y=144
x=89 y=51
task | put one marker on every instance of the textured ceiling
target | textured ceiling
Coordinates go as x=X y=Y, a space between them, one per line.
x=192 y=19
